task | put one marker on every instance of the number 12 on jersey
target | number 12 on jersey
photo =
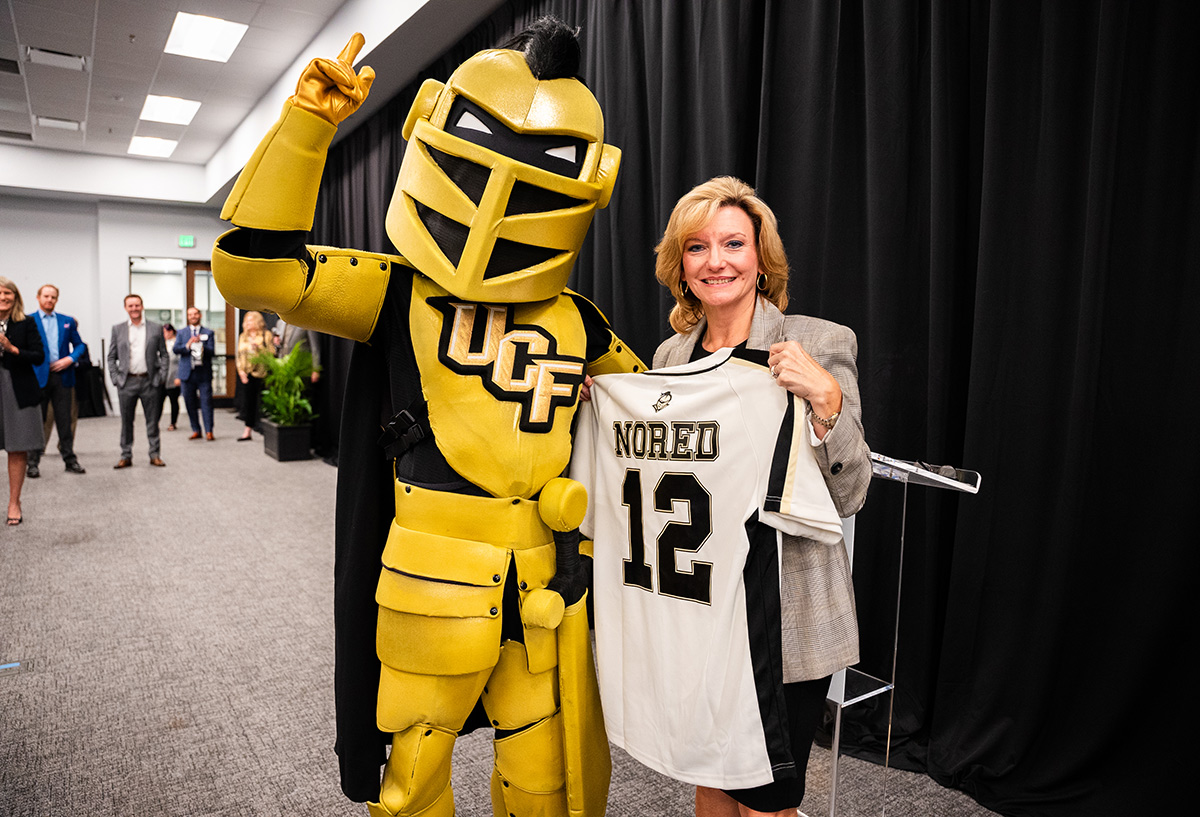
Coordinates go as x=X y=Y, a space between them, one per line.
x=673 y=490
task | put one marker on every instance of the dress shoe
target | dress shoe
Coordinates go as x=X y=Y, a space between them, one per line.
x=209 y=437
x=32 y=471
x=123 y=463
x=157 y=461
x=195 y=435
x=75 y=468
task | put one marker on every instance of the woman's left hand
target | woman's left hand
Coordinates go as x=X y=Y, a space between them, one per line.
x=797 y=371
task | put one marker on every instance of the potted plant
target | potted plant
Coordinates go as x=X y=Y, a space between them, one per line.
x=287 y=427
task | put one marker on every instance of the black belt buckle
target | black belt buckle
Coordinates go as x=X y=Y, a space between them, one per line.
x=401 y=433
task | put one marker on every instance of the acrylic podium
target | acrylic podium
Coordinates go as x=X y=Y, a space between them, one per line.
x=851 y=686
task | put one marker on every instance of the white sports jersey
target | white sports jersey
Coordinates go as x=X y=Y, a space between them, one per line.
x=685 y=469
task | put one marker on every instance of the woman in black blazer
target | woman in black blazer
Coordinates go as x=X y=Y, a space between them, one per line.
x=20 y=396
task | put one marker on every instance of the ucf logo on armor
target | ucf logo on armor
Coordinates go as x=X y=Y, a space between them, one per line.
x=517 y=363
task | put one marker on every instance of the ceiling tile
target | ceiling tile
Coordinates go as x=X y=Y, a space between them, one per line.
x=124 y=40
x=41 y=26
x=14 y=121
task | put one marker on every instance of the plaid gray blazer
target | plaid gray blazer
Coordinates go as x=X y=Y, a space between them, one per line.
x=820 y=625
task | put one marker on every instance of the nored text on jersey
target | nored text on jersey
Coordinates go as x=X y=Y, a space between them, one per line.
x=677 y=441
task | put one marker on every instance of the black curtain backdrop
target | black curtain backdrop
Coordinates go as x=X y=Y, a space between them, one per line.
x=1001 y=199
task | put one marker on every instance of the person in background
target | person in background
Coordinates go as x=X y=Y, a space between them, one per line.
x=723 y=260
x=173 y=383
x=20 y=396
x=137 y=365
x=254 y=338
x=56 y=376
x=288 y=337
x=195 y=347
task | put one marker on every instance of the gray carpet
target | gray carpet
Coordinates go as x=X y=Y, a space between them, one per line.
x=174 y=631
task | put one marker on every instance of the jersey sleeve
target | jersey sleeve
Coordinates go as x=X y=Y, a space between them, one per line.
x=796 y=499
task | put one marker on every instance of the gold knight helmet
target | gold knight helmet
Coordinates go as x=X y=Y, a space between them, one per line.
x=505 y=166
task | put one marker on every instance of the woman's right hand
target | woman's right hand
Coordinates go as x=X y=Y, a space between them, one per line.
x=245 y=378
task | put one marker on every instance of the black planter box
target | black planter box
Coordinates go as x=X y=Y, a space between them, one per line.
x=287 y=443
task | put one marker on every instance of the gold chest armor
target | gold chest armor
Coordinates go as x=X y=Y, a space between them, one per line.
x=502 y=384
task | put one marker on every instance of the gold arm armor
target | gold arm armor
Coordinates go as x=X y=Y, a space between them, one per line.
x=277 y=189
x=343 y=297
x=336 y=291
x=618 y=358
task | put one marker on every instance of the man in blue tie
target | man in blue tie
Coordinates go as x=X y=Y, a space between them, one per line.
x=195 y=346
x=56 y=375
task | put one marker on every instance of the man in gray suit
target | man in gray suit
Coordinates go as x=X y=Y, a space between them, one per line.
x=137 y=364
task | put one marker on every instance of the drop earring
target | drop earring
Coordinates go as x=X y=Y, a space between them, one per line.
x=762 y=282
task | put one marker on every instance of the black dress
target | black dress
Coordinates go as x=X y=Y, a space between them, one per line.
x=20 y=395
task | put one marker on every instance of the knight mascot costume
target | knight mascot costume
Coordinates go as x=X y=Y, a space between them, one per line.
x=459 y=596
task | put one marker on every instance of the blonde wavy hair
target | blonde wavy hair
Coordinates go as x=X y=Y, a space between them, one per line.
x=253 y=321
x=692 y=213
x=18 y=311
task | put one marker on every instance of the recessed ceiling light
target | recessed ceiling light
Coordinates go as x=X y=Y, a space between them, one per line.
x=205 y=38
x=152 y=146
x=60 y=124
x=169 y=109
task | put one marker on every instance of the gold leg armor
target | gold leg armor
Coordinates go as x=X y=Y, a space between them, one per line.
x=585 y=744
x=529 y=774
x=440 y=598
x=416 y=780
x=529 y=778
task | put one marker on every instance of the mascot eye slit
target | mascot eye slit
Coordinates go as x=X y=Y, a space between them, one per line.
x=566 y=152
x=469 y=121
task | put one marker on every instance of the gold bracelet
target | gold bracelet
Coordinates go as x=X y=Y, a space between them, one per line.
x=825 y=421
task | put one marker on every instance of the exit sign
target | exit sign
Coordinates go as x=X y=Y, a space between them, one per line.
x=187 y=240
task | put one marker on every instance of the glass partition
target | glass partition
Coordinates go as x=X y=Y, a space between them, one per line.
x=207 y=298
x=162 y=285
x=168 y=286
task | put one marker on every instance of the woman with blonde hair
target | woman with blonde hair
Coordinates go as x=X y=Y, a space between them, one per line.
x=254 y=338
x=20 y=396
x=722 y=258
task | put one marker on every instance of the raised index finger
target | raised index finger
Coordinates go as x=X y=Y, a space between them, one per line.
x=350 y=52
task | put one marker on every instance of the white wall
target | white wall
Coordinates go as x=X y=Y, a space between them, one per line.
x=83 y=248
x=54 y=242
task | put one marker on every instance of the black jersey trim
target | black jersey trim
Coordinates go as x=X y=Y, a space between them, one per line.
x=758 y=357
x=781 y=459
x=763 y=624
